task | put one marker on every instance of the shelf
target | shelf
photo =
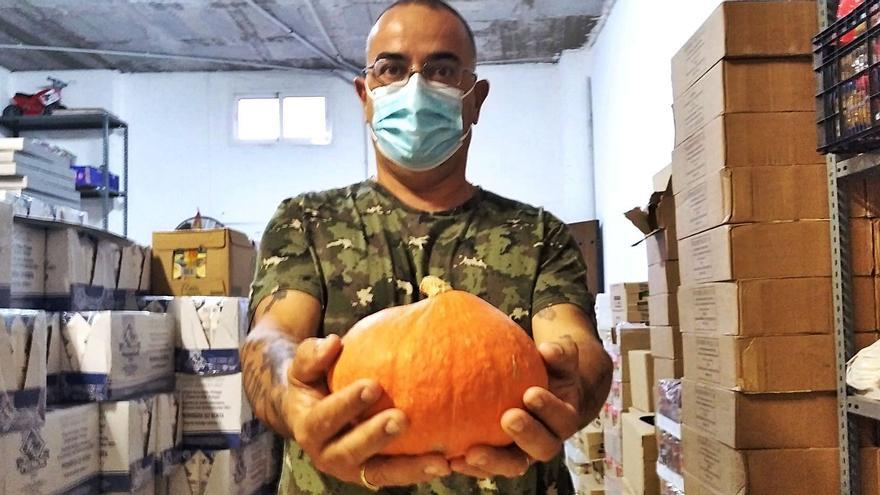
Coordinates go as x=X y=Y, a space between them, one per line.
x=62 y=122
x=54 y=224
x=96 y=193
x=858 y=164
x=863 y=407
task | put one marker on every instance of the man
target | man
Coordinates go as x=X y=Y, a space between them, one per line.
x=329 y=259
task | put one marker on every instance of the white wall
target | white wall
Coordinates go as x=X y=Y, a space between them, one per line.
x=632 y=115
x=182 y=156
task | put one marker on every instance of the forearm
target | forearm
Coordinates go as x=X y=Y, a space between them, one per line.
x=595 y=369
x=266 y=357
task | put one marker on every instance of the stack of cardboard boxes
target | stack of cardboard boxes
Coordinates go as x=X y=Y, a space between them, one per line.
x=751 y=215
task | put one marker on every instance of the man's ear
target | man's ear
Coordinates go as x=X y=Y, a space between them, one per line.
x=481 y=92
x=360 y=85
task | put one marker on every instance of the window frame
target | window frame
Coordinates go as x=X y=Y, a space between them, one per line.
x=279 y=96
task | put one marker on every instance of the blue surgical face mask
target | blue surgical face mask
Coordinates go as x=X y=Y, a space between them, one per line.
x=417 y=124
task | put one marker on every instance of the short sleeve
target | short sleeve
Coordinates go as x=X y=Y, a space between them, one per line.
x=562 y=274
x=286 y=259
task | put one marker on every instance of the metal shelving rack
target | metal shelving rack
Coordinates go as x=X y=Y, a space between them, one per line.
x=849 y=407
x=99 y=120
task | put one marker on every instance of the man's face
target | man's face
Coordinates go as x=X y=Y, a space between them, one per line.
x=416 y=34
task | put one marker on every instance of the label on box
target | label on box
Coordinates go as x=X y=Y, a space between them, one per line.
x=707 y=354
x=705 y=309
x=28 y=261
x=701 y=253
x=694 y=214
x=216 y=413
x=708 y=462
x=190 y=263
x=705 y=408
x=62 y=456
x=691 y=157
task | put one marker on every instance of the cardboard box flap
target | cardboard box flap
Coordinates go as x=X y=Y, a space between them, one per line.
x=192 y=239
x=663 y=179
x=239 y=238
x=659 y=214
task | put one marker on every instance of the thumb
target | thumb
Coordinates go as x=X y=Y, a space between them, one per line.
x=314 y=357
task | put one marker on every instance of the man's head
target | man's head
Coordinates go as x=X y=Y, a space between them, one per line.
x=415 y=32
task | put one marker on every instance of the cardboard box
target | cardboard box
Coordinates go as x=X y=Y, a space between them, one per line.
x=107 y=257
x=642 y=376
x=54 y=359
x=665 y=342
x=72 y=259
x=242 y=471
x=640 y=453
x=760 y=307
x=28 y=284
x=753 y=194
x=663 y=278
x=760 y=421
x=169 y=433
x=588 y=443
x=131 y=266
x=612 y=439
x=759 y=250
x=620 y=396
x=662 y=246
x=588 y=236
x=745 y=30
x=61 y=456
x=208 y=331
x=869 y=469
x=663 y=309
x=147 y=272
x=744 y=86
x=128 y=444
x=114 y=355
x=864 y=295
x=215 y=262
x=22 y=369
x=668 y=368
x=863 y=234
x=746 y=140
x=768 y=472
x=629 y=302
x=626 y=338
x=216 y=413
x=786 y=363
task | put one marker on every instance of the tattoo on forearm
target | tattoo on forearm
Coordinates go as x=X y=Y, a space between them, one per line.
x=265 y=361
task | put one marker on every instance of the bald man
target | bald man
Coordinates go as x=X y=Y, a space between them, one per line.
x=331 y=258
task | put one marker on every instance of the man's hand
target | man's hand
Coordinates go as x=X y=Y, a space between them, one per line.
x=322 y=424
x=580 y=375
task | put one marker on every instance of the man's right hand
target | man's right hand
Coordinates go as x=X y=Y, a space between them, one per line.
x=322 y=424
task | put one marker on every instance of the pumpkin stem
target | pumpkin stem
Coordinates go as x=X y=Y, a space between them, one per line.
x=432 y=286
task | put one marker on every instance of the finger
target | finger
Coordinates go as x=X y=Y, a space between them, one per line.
x=314 y=357
x=560 y=357
x=366 y=439
x=507 y=461
x=560 y=417
x=530 y=435
x=459 y=465
x=335 y=412
x=405 y=470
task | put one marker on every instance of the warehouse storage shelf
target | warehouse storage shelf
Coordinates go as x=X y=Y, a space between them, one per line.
x=859 y=164
x=55 y=224
x=97 y=192
x=861 y=406
x=87 y=120
x=842 y=169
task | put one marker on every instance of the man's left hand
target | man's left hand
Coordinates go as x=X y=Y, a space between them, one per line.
x=538 y=431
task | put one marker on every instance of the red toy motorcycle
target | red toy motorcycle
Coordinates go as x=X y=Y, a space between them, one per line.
x=44 y=102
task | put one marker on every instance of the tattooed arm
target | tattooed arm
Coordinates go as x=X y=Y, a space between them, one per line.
x=268 y=352
x=580 y=378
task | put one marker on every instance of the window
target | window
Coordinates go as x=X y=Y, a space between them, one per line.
x=296 y=119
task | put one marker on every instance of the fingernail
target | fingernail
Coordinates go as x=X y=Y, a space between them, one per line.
x=517 y=425
x=369 y=394
x=480 y=460
x=433 y=471
x=391 y=427
x=536 y=402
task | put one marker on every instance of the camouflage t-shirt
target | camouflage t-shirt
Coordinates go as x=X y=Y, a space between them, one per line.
x=359 y=250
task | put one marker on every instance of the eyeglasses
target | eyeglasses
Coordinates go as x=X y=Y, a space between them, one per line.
x=448 y=72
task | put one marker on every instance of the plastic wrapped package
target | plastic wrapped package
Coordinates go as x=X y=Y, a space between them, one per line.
x=669 y=399
x=667 y=488
x=669 y=451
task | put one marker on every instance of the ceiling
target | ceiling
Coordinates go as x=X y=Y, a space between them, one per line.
x=258 y=31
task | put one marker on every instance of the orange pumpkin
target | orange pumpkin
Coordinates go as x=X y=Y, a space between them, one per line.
x=452 y=363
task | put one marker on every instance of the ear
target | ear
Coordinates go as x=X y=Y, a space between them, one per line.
x=481 y=92
x=360 y=85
